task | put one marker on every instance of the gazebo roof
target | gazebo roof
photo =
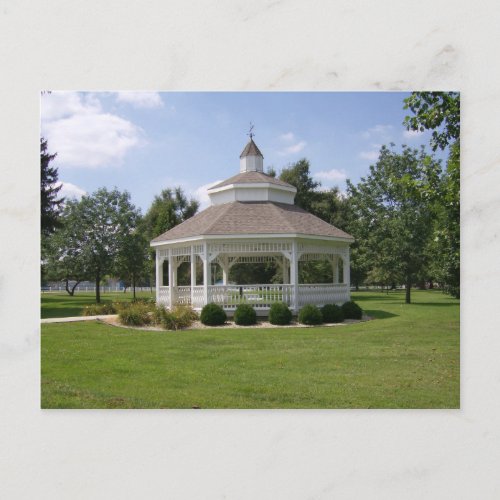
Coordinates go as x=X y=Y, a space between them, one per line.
x=253 y=217
x=252 y=177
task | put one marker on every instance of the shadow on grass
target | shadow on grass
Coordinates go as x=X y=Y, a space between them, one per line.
x=435 y=304
x=378 y=314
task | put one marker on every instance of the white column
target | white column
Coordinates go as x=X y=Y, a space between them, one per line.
x=170 y=279
x=175 y=266
x=193 y=274
x=225 y=268
x=347 y=273
x=294 y=276
x=206 y=272
x=159 y=274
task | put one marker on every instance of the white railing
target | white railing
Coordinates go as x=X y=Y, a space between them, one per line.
x=198 y=297
x=164 y=297
x=321 y=294
x=259 y=296
x=183 y=295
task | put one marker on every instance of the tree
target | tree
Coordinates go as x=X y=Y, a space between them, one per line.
x=50 y=205
x=435 y=110
x=168 y=210
x=94 y=231
x=297 y=174
x=132 y=258
x=63 y=258
x=440 y=112
x=445 y=244
x=393 y=210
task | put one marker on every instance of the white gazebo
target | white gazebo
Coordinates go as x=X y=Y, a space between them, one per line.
x=252 y=219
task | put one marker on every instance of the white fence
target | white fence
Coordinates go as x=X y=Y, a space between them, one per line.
x=103 y=289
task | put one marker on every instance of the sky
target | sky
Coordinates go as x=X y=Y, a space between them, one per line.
x=144 y=142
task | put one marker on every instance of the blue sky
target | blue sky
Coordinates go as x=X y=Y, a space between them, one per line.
x=143 y=142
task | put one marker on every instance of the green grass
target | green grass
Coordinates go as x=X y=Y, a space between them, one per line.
x=62 y=305
x=407 y=358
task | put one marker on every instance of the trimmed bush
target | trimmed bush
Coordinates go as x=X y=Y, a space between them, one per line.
x=351 y=310
x=213 y=315
x=332 y=313
x=245 y=315
x=280 y=314
x=135 y=315
x=310 y=315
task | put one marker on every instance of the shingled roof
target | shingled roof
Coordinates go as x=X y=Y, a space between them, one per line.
x=251 y=178
x=255 y=217
x=251 y=149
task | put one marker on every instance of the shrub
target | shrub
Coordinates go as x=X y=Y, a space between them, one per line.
x=332 y=313
x=245 y=315
x=179 y=317
x=135 y=315
x=97 y=309
x=184 y=316
x=310 y=315
x=351 y=310
x=213 y=315
x=280 y=314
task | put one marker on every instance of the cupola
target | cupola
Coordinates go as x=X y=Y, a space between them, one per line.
x=252 y=184
x=251 y=159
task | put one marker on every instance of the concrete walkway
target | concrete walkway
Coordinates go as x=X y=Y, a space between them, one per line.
x=72 y=319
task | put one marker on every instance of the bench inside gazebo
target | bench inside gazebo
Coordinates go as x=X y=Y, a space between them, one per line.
x=252 y=220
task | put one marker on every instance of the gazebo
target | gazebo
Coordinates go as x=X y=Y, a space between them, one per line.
x=252 y=219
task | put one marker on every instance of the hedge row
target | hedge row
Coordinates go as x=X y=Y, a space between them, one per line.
x=280 y=314
x=144 y=313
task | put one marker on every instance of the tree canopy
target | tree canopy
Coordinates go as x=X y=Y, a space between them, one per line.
x=169 y=208
x=50 y=204
x=93 y=234
x=392 y=208
x=437 y=111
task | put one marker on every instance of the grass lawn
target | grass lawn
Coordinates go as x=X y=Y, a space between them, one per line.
x=62 y=305
x=406 y=358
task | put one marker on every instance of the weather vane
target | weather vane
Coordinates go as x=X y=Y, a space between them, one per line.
x=250 y=132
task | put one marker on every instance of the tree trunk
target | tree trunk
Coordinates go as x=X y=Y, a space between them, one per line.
x=133 y=285
x=408 y=288
x=356 y=286
x=431 y=285
x=97 y=287
x=70 y=292
x=74 y=287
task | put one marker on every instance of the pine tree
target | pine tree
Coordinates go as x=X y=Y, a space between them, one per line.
x=50 y=204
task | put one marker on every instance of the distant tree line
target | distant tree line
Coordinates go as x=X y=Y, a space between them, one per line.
x=404 y=216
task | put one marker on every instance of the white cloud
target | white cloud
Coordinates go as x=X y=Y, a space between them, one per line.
x=332 y=175
x=380 y=131
x=82 y=134
x=288 y=137
x=57 y=105
x=140 y=99
x=201 y=194
x=294 y=148
x=369 y=155
x=70 y=191
x=412 y=134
